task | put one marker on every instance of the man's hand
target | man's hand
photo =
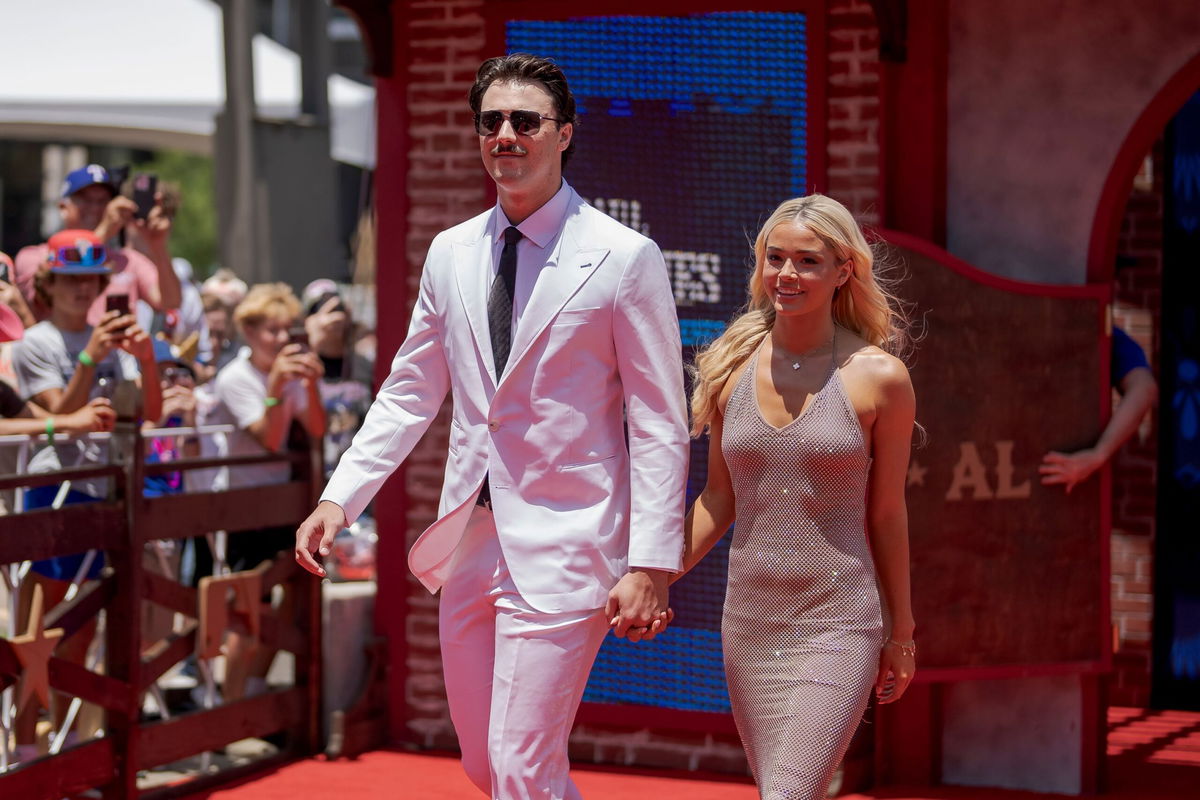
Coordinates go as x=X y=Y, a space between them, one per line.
x=637 y=605
x=109 y=335
x=138 y=344
x=316 y=534
x=97 y=415
x=155 y=229
x=117 y=214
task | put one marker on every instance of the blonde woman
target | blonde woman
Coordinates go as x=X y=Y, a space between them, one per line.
x=262 y=392
x=810 y=421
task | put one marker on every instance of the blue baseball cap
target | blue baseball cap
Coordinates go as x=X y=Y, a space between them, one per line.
x=87 y=176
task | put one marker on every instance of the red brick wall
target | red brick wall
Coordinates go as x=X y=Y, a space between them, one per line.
x=445 y=43
x=852 y=148
x=1137 y=310
x=446 y=184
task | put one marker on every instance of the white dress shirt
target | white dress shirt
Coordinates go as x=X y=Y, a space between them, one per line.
x=540 y=233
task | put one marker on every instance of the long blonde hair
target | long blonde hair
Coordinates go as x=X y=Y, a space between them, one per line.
x=864 y=305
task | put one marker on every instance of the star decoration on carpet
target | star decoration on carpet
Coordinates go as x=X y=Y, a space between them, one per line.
x=916 y=474
x=33 y=649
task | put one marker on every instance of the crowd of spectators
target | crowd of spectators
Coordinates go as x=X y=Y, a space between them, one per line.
x=100 y=318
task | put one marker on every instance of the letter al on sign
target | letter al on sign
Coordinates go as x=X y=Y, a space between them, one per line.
x=970 y=473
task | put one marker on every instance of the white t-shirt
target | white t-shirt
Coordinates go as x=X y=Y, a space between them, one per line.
x=240 y=389
x=46 y=358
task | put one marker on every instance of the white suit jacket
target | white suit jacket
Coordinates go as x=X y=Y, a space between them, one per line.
x=597 y=350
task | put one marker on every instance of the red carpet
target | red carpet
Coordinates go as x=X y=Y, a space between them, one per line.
x=1153 y=755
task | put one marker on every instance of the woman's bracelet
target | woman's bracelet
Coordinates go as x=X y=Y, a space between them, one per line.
x=85 y=359
x=50 y=429
x=908 y=648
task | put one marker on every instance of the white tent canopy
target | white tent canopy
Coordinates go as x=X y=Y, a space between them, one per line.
x=150 y=74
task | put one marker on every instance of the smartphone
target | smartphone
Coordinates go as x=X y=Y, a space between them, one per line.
x=297 y=335
x=117 y=302
x=145 y=185
x=4 y=273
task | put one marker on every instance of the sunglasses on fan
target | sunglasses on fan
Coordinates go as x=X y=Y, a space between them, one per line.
x=81 y=256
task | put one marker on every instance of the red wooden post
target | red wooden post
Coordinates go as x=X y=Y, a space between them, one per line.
x=308 y=621
x=122 y=630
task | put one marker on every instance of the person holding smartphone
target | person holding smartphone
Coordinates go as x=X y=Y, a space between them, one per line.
x=11 y=296
x=91 y=200
x=263 y=392
x=61 y=364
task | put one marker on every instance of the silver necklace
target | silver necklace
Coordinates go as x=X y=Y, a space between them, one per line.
x=798 y=359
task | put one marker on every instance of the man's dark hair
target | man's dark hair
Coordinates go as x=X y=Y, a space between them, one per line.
x=526 y=68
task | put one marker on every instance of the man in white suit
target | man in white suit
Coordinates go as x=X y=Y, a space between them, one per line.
x=554 y=328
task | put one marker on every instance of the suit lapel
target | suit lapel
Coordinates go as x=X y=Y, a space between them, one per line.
x=471 y=261
x=556 y=284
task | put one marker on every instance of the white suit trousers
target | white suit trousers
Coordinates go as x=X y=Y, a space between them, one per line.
x=514 y=675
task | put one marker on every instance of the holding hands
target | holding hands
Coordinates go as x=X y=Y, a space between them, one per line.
x=637 y=605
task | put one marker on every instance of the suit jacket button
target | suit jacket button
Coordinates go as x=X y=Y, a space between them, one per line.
x=493 y=425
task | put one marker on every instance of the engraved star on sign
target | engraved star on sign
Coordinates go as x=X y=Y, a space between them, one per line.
x=33 y=649
x=916 y=474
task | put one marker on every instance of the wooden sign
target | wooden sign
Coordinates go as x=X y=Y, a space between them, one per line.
x=1006 y=572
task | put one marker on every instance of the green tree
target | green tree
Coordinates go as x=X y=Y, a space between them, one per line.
x=190 y=177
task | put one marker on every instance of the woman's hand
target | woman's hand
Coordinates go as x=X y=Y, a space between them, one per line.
x=293 y=363
x=97 y=415
x=897 y=665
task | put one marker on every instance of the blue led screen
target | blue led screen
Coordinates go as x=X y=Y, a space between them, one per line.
x=692 y=130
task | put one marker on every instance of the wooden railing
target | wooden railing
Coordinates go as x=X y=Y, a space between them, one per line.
x=122 y=527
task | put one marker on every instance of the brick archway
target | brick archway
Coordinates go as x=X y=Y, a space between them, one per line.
x=1102 y=247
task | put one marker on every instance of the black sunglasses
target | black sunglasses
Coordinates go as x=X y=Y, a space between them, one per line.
x=525 y=123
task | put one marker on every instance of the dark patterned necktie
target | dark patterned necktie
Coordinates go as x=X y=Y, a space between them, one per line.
x=500 y=301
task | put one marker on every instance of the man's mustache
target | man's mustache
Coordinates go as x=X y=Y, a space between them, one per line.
x=502 y=149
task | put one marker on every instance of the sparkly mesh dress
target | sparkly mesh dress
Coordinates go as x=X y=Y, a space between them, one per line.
x=802 y=627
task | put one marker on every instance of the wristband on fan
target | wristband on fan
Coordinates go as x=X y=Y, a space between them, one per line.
x=270 y=402
x=85 y=359
x=50 y=429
